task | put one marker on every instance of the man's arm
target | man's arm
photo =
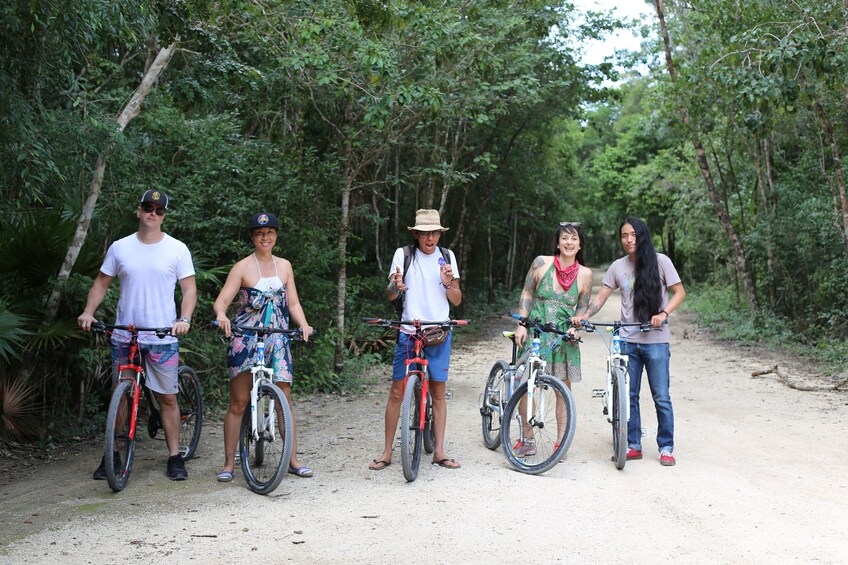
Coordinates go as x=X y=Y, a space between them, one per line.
x=678 y=294
x=95 y=298
x=188 y=285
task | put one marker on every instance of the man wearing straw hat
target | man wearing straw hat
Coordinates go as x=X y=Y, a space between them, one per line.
x=430 y=284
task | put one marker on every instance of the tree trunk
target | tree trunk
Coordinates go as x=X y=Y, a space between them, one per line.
x=837 y=168
x=703 y=163
x=344 y=224
x=130 y=111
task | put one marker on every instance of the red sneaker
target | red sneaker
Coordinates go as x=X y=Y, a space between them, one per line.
x=667 y=459
x=633 y=454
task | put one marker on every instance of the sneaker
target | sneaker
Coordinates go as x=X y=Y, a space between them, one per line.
x=667 y=459
x=176 y=468
x=633 y=454
x=100 y=472
x=524 y=448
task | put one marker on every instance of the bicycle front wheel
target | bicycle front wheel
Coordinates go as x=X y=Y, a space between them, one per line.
x=620 y=398
x=265 y=457
x=410 y=432
x=119 y=447
x=492 y=404
x=190 y=402
x=536 y=434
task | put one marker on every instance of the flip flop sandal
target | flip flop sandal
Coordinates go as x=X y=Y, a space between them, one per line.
x=379 y=465
x=225 y=476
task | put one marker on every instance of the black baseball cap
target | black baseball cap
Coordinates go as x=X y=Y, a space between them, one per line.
x=264 y=220
x=155 y=197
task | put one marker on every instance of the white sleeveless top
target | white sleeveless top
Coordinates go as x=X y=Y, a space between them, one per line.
x=267 y=284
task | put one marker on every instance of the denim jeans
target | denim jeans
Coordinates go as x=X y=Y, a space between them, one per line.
x=654 y=357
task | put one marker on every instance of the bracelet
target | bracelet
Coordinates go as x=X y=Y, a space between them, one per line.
x=666 y=314
x=449 y=286
x=186 y=320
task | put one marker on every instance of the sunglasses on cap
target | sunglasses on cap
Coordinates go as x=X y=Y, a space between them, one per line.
x=569 y=224
x=151 y=208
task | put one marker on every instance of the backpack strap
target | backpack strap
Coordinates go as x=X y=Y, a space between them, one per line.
x=408 y=250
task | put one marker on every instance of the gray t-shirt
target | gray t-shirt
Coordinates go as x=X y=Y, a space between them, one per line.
x=622 y=275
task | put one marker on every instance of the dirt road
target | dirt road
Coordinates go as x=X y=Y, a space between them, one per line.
x=762 y=477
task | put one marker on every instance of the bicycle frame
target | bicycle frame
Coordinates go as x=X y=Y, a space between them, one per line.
x=424 y=373
x=261 y=374
x=615 y=358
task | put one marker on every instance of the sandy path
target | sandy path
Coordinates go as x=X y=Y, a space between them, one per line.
x=761 y=477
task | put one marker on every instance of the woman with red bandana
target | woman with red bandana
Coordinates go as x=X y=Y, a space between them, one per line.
x=555 y=288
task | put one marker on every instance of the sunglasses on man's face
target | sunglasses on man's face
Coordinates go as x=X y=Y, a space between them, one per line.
x=151 y=208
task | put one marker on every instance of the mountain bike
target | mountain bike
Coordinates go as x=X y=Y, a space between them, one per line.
x=540 y=417
x=266 y=435
x=616 y=395
x=122 y=418
x=416 y=415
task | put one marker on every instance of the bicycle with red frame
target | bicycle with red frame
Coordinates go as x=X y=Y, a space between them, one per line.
x=416 y=415
x=123 y=415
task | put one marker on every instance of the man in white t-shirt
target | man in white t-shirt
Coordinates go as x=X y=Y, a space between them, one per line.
x=430 y=286
x=148 y=264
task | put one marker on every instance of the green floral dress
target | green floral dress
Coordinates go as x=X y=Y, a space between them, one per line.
x=551 y=306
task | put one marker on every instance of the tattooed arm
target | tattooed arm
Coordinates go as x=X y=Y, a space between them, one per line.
x=593 y=306
x=525 y=301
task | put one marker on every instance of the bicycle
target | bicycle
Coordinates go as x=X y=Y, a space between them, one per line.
x=616 y=395
x=416 y=415
x=500 y=386
x=266 y=435
x=122 y=418
x=541 y=403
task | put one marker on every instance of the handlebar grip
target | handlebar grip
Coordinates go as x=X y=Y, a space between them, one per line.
x=461 y=322
x=372 y=320
x=517 y=316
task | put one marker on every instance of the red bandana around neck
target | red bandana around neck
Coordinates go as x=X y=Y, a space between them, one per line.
x=567 y=276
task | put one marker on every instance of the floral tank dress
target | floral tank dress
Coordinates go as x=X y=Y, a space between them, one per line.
x=557 y=307
x=261 y=308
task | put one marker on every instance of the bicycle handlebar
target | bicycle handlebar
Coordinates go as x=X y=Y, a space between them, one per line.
x=588 y=326
x=545 y=328
x=101 y=328
x=414 y=323
x=293 y=335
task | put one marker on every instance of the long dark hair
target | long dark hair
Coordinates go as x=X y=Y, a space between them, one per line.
x=647 y=291
x=571 y=227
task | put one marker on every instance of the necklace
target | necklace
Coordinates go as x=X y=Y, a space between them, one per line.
x=568 y=275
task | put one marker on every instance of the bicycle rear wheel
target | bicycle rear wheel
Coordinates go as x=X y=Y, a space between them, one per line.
x=265 y=458
x=535 y=436
x=190 y=402
x=410 y=434
x=429 y=432
x=620 y=398
x=119 y=446
x=492 y=404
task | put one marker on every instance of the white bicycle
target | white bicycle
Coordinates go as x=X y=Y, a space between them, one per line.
x=540 y=417
x=616 y=395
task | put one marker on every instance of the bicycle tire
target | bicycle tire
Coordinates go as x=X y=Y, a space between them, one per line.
x=550 y=392
x=120 y=437
x=410 y=434
x=429 y=432
x=265 y=459
x=620 y=396
x=190 y=403
x=492 y=404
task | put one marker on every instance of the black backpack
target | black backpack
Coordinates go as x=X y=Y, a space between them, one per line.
x=408 y=250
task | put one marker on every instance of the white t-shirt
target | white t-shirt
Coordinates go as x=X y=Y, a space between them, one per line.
x=148 y=274
x=426 y=298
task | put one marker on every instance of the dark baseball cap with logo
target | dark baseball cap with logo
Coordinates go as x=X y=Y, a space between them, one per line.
x=264 y=220
x=155 y=197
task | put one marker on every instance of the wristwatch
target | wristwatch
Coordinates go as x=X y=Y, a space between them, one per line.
x=186 y=320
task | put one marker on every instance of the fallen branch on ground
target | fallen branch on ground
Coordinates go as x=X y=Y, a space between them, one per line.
x=792 y=381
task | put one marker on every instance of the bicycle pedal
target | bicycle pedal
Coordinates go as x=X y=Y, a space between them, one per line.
x=598 y=393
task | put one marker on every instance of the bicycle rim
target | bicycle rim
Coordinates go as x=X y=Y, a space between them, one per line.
x=492 y=404
x=410 y=433
x=119 y=446
x=536 y=435
x=265 y=458
x=429 y=433
x=620 y=396
x=190 y=401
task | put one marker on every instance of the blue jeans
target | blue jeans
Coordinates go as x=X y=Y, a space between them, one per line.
x=654 y=358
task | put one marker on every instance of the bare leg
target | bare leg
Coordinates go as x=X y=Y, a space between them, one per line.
x=169 y=413
x=239 y=396
x=440 y=416
x=392 y=416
